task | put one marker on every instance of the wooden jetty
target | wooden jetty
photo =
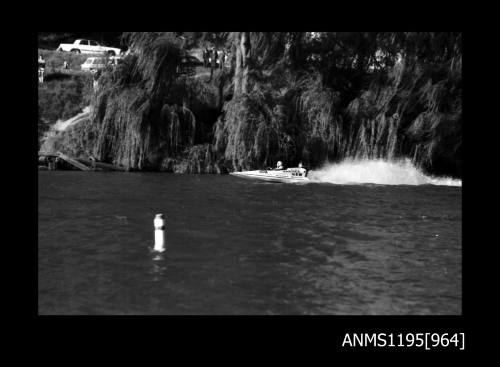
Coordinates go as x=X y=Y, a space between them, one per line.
x=73 y=162
x=78 y=163
x=105 y=166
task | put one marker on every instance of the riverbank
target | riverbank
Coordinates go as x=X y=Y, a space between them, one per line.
x=64 y=92
x=54 y=60
x=279 y=105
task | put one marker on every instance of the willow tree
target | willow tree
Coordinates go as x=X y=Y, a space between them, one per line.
x=249 y=132
x=242 y=47
x=136 y=120
x=296 y=96
x=331 y=95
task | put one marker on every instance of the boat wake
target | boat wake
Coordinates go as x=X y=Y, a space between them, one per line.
x=377 y=171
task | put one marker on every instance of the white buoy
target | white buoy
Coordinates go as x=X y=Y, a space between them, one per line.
x=159 y=223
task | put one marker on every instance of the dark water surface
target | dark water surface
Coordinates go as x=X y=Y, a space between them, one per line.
x=243 y=247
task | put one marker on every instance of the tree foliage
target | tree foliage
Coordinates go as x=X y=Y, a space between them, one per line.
x=293 y=96
x=348 y=95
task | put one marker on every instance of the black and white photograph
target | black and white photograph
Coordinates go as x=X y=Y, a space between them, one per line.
x=250 y=173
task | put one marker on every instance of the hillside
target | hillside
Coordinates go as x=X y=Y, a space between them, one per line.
x=64 y=93
x=287 y=96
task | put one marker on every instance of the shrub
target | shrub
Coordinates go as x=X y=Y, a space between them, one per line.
x=62 y=99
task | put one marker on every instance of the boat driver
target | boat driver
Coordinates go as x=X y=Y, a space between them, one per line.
x=302 y=171
x=279 y=166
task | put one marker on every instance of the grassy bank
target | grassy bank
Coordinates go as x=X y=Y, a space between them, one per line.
x=54 y=60
x=63 y=97
x=63 y=93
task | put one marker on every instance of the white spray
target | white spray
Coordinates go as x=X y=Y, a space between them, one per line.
x=377 y=171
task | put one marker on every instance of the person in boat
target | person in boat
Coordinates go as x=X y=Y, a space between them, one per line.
x=279 y=166
x=302 y=171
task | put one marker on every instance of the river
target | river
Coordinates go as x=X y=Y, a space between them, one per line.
x=241 y=247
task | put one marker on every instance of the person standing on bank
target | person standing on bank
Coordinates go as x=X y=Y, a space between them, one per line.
x=214 y=58
x=222 y=59
x=97 y=74
x=213 y=64
x=205 y=57
x=41 y=68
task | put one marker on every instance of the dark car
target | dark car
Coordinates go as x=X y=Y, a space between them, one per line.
x=190 y=61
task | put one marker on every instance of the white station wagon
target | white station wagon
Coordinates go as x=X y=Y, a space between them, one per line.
x=88 y=46
x=99 y=63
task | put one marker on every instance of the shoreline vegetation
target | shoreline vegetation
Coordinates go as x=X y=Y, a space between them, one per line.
x=295 y=97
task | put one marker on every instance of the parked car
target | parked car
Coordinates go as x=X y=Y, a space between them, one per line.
x=99 y=63
x=191 y=61
x=94 y=63
x=88 y=46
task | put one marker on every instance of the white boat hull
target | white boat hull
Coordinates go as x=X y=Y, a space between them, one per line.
x=271 y=176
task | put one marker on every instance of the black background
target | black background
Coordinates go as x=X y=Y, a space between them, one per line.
x=303 y=339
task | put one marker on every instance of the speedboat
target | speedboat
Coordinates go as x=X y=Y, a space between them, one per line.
x=293 y=175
